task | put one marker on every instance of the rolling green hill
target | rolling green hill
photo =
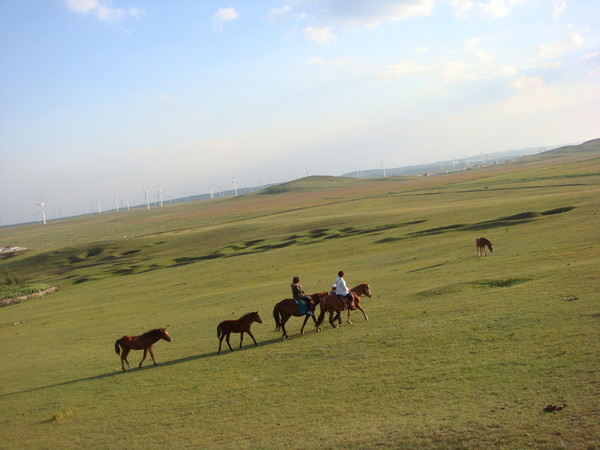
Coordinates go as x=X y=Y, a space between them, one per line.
x=459 y=350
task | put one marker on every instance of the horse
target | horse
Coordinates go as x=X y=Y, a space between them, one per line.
x=142 y=342
x=241 y=325
x=481 y=243
x=334 y=303
x=288 y=307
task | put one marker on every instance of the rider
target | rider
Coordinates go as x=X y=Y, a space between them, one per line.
x=299 y=294
x=343 y=292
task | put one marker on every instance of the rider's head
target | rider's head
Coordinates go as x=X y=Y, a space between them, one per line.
x=296 y=280
x=341 y=273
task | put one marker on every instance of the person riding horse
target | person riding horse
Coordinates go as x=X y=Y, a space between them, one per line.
x=343 y=292
x=299 y=294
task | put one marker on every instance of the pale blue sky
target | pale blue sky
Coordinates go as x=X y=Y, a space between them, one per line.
x=101 y=98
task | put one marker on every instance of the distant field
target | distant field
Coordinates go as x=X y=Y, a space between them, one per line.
x=460 y=350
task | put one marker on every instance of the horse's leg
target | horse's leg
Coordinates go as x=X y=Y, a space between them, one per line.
x=284 y=318
x=304 y=323
x=144 y=357
x=220 y=342
x=252 y=336
x=332 y=319
x=362 y=310
x=227 y=339
x=124 y=357
x=152 y=355
x=349 y=321
x=241 y=338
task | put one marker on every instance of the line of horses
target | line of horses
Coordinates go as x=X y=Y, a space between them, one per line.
x=283 y=310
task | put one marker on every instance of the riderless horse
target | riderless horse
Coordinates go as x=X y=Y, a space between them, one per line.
x=481 y=244
x=241 y=325
x=142 y=342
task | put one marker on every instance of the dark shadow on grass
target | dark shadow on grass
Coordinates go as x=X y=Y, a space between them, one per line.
x=247 y=346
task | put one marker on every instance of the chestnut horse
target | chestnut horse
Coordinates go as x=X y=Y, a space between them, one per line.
x=288 y=307
x=241 y=325
x=481 y=243
x=142 y=342
x=333 y=303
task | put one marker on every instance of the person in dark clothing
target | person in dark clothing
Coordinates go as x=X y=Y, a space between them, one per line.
x=299 y=294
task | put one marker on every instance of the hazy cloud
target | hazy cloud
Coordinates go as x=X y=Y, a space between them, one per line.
x=497 y=9
x=472 y=47
x=573 y=40
x=560 y=6
x=102 y=10
x=528 y=84
x=362 y=13
x=224 y=15
x=322 y=36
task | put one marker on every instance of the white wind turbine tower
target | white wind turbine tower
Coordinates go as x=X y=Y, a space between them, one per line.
x=307 y=172
x=211 y=191
x=99 y=209
x=127 y=201
x=41 y=205
x=147 y=200
x=292 y=175
x=160 y=196
x=234 y=182
x=383 y=168
x=116 y=203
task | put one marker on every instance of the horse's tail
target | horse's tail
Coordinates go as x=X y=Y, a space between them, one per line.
x=219 y=332
x=117 y=347
x=276 y=317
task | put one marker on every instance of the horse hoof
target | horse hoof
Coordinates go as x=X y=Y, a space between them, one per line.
x=349 y=323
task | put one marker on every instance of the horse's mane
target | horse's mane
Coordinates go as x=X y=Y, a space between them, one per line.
x=248 y=314
x=155 y=331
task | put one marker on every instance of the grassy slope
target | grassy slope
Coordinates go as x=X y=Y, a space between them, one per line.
x=459 y=350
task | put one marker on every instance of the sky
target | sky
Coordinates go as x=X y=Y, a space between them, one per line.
x=102 y=99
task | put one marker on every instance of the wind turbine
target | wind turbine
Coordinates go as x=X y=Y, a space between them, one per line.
x=307 y=172
x=117 y=202
x=127 y=201
x=99 y=209
x=147 y=201
x=211 y=191
x=160 y=196
x=293 y=175
x=41 y=205
x=383 y=168
x=234 y=182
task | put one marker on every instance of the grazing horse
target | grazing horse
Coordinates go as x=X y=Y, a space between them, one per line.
x=481 y=243
x=333 y=303
x=288 y=307
x=241 y=325
x=142 y=342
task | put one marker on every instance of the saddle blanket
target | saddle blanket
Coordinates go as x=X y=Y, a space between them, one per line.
x=302 y=306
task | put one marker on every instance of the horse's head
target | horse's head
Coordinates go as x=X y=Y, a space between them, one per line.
x=490 y=246
x=164 y=334
x=256 y=317
x=318 y=297
x=364 y=289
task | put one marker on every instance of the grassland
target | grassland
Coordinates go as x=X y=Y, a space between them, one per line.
x=459 y=351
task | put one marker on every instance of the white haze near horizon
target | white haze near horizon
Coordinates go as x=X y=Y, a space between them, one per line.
x=104 y=98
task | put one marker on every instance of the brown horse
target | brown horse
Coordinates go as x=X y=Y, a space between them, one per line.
x=334 y=303
x=288 y=307
x=142 y=342
x=481 y=243
x=241 y=325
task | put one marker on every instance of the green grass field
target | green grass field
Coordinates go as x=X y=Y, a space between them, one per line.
x=459 y=351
